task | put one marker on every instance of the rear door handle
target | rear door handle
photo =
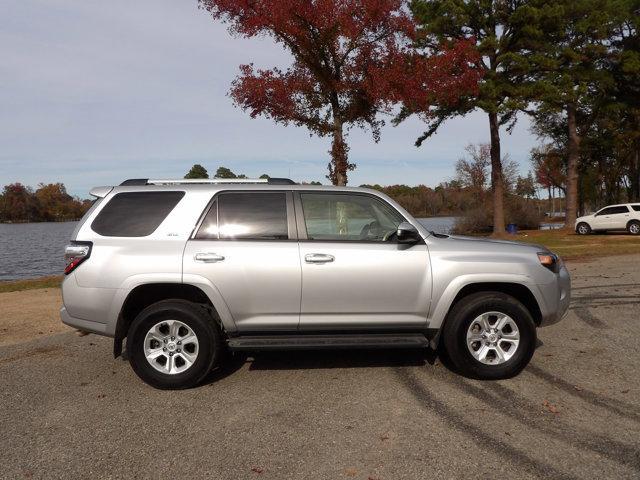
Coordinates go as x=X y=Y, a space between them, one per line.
x=208 y=257
x=318 y=258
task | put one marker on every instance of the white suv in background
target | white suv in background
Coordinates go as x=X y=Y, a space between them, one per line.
x=613 y=217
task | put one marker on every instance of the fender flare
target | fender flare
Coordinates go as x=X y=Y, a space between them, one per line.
x=441 y=309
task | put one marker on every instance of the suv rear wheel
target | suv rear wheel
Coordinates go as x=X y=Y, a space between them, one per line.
x=634 y=227
x=173 y=344
x=489 y=336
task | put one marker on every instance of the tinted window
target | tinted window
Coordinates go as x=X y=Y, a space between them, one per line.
x=636 y=207
x=613 y=210
x=135 y=214
x=353 y=218
x=248 y=216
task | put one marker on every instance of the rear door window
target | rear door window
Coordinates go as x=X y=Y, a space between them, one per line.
x=246 y=216
x=135 y=214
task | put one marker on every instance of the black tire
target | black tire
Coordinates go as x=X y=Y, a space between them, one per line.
x=462 y=316
x=633 y=227
x=583 y=228
x=210 y=348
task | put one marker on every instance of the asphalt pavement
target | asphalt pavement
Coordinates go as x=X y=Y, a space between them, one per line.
x=68 y=409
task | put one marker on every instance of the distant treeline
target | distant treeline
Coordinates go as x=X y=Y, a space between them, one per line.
x=47 y=203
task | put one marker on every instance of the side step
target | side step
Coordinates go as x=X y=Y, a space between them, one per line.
x=315 y=342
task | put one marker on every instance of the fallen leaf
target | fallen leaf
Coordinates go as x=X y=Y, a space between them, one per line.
x=577 y=388
x=351 y=472
x=384 y=437
x=625 y=391
x=257 y=470
x=549 y=406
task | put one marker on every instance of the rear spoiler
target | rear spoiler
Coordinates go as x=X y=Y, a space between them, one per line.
x=100 y=192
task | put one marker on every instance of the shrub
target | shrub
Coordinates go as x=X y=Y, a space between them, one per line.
x=480 y=220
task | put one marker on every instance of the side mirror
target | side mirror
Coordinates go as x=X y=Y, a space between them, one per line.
x=407 y=233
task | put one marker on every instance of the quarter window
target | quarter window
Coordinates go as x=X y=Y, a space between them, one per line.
x=135 y=214
x=636 y=207
x=355 y=218
x=246 y=216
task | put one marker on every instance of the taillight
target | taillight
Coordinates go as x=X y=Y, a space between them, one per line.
x=74 y=254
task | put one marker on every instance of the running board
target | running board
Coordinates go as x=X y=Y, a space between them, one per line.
x=314 y=342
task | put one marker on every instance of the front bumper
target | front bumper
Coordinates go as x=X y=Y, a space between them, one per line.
x=557 y=295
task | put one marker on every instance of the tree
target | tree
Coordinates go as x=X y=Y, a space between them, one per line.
x=197 y=171
x=54 y=202
x=18 y=204
x=224 y=172
x=501 y=32
x=571 y=76
x=472 y=172
x=352 y=59
x=525 y=186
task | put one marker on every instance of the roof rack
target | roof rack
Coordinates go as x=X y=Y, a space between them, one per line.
x=145 y=181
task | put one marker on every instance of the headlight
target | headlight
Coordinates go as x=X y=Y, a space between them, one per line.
x=550 y=260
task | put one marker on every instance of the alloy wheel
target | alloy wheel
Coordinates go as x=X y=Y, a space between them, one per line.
x=171 y=347
x=493 y=338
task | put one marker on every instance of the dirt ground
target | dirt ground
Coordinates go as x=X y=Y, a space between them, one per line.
x=30 y=314
x=69 y=410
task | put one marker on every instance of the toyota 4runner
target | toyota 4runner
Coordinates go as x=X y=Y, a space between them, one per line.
x=186 y=270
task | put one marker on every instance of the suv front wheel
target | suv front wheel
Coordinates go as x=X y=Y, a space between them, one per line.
x=489 y=336
x=173 y=344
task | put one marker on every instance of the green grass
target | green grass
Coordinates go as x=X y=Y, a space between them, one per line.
x=30 y=284
x=581 y=247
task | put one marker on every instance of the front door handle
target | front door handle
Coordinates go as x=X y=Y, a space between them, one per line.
x=318 y=258
x=208 y=257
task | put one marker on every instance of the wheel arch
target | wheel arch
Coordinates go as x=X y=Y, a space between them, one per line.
x=143 y=295
x=517 y=290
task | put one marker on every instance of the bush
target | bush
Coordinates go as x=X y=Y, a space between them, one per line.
x=523 y=213
x=480 y=220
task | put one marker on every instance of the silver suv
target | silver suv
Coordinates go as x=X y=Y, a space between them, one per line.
x=187 y=270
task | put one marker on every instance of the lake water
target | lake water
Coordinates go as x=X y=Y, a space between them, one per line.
x=29 y=250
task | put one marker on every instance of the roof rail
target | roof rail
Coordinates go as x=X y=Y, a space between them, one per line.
x=269 y=181
x=145 y=181
x=205 y=180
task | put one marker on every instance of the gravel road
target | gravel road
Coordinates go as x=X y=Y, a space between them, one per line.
x=69 y=410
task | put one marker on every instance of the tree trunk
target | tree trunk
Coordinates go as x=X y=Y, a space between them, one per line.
x=572 y=168
x=339 y=159
x=497 y=184
x=635 y=174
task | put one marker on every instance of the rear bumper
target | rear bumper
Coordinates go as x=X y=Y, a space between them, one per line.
x=80 y=324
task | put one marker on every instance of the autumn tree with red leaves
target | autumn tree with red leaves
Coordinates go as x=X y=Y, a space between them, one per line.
x=352 y=60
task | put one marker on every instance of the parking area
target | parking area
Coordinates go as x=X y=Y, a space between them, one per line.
x=69 y=410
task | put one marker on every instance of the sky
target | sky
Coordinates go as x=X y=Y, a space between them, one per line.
x=94 y=92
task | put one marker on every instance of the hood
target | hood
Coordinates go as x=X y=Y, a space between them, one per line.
x=584 y=217
x=483 y=243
